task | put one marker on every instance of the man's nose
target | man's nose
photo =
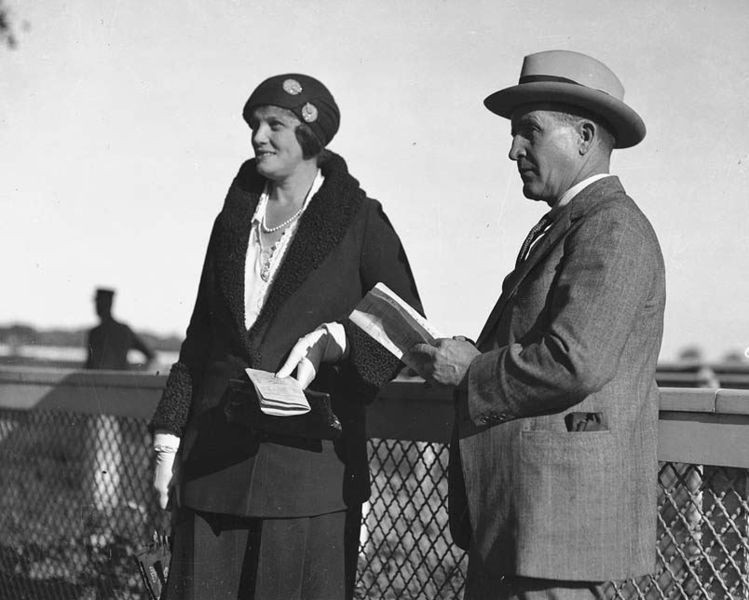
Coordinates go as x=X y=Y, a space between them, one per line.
x=516 y=149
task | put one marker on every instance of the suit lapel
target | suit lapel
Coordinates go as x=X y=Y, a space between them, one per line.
x=510 y=285
x=558 y=229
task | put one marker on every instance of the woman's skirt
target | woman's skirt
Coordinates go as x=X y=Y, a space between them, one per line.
x=225 y=557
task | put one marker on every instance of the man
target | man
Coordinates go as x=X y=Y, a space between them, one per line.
x=110 y=341
x=553 y=469
x=108 y=344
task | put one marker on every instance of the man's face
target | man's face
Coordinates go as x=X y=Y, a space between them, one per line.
x=103 y=306
x=545 y=149
x=276 y=147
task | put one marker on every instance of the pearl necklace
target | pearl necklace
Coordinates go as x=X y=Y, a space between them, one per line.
x=286 y=223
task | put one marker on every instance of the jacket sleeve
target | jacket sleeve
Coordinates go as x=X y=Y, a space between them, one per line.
x=383 y=259
x=607 y=272
x=173 y=409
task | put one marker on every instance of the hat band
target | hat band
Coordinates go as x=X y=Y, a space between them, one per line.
x=547 y=78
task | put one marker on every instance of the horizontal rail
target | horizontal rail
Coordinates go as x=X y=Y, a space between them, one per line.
x=699 y=426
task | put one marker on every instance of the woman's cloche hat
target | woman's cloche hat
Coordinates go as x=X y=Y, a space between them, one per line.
x=303 y=95
x=575 y=79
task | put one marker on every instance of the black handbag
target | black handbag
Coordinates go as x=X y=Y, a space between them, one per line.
x=242 y=406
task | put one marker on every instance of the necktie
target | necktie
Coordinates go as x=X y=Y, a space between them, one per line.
x=536 y=232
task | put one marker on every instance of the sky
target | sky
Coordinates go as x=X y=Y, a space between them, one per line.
x=121 y=129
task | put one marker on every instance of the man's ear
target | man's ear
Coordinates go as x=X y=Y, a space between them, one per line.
x=587 y=130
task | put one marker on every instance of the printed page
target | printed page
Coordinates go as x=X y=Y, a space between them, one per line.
x=280 y=397
x=392 y=322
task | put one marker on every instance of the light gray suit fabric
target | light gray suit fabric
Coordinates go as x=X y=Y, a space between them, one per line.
x=577 y=328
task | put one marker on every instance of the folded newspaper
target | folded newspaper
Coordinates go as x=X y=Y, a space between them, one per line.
x=279 y=396
x=389 y=320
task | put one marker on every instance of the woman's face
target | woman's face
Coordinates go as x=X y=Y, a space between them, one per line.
x=277 y=151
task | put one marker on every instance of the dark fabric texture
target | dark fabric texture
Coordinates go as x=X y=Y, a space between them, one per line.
x=224 y=557
x=577 y=329
x=343 y=246
x=171 y=413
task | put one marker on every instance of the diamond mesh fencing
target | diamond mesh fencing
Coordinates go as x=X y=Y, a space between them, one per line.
x=703 y=531
x=76 y=505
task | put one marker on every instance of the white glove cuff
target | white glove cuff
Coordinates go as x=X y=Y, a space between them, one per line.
x=336 y=346
x=165 y=442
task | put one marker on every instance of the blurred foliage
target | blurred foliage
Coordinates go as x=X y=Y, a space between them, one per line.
x=7 y=35
x=9 y=26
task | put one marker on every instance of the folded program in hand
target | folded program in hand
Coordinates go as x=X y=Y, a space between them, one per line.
x=280 y=397
x=392 y=322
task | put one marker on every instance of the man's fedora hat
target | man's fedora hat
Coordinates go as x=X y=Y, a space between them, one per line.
x=575 y=79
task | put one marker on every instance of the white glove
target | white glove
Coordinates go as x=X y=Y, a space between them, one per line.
x=165 y=472
x=327 y=343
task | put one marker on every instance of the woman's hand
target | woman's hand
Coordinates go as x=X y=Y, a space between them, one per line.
x=166 y=467
x=327 y=343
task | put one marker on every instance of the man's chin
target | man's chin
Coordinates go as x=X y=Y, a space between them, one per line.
x=530 y=193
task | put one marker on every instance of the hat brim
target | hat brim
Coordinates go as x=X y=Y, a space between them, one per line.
x=629 y=128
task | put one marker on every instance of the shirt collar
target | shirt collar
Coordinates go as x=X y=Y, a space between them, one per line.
x=576 y=189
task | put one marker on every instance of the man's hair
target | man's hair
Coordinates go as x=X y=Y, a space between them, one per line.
x=573 y=115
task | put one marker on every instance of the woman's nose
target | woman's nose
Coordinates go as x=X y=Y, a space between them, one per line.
x=260 y=134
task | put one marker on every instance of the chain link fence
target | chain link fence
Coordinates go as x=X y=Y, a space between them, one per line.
x=76 y=505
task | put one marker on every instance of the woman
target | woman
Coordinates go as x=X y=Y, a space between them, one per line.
x=295 y=247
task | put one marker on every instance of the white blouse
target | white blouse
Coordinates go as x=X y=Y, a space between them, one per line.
x=262 y=262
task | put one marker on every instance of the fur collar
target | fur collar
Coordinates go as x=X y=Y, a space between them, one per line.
x=321 y=228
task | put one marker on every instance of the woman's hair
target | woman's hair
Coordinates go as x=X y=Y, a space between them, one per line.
x=311 y=146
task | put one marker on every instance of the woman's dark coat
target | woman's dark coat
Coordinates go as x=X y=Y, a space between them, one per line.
x=343 y=246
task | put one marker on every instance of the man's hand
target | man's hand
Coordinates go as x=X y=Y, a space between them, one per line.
x=446 y=362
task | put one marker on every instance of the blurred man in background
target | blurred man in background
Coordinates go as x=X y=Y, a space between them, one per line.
x=110 y=341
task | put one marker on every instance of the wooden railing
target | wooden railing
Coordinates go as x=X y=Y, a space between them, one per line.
x=700 y=426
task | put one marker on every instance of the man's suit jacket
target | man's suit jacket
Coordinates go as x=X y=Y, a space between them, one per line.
x=577 y=329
